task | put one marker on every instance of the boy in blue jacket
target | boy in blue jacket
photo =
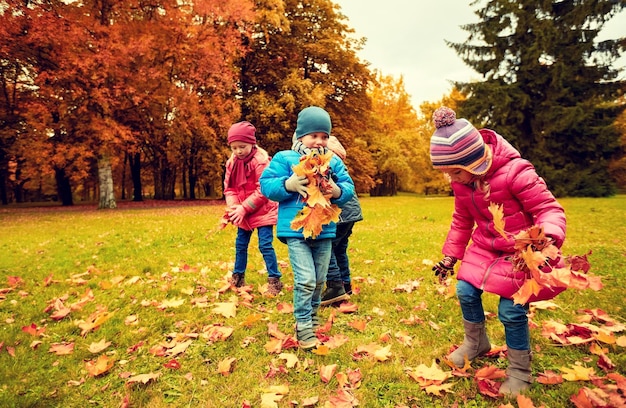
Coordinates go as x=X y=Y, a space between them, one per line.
x=309 y=257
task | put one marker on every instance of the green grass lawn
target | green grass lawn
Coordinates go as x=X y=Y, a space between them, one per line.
x=154 y=275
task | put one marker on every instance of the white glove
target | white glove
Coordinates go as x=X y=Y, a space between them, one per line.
x=297 y=184
x=236 y=214
x=336 y=191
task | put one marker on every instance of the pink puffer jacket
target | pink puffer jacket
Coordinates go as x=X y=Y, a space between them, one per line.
x=260 y=211
x=525 y=200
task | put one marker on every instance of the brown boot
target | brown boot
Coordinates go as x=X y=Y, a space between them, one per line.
x=274 y=286
x=475 y=344
x=518 y=373
x=237 y=280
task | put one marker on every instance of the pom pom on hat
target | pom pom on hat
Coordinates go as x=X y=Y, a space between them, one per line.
x=456 y=143
x=444 y=116
x=242 y=132
x=311 y=120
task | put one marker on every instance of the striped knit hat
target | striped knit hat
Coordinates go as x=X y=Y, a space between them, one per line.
x=456 y=143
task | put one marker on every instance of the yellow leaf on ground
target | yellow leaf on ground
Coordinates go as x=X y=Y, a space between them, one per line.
x=578 y=373
x=226 y=366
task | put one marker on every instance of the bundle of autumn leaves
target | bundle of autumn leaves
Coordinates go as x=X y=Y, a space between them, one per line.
x=317 y=211
x=536 y=255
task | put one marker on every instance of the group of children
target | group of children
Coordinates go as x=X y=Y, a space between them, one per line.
x=482 y=167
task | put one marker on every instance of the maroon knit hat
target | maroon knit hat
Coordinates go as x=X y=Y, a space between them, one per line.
x=242 y=132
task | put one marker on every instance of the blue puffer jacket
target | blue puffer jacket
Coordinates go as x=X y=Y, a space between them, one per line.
x=273 y=187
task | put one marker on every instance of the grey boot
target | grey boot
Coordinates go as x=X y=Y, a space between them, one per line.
x=475 y=344
x=518 y=373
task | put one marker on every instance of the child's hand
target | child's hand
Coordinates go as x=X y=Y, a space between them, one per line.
x=444 y=268
x=297 y=184
x=236 y=214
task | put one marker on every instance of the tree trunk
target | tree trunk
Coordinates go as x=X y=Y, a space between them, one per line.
x=164 y=182
x=135 y=174
x=387 y=185
x=64 y=188
x=3 y=187
x=124 y=176
x=105 y=181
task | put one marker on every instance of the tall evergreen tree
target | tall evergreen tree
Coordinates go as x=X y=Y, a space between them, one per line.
x=550 y=87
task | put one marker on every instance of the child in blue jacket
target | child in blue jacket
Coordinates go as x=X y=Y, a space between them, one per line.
x=309 y=257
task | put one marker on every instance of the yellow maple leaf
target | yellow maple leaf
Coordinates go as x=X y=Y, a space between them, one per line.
x=578 y=373
x=226 y=309
x=226 y=366
x=101 y=365
x=498 y=219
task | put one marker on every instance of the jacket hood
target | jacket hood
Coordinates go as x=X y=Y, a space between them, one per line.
x=501 y=150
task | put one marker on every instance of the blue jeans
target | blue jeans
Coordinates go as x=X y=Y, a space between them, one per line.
x=309 y=260
x=513 y=316
x=266 y=236
x=339 y=267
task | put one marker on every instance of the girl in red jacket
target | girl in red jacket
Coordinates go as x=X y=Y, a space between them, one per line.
x=484 y=168
x=248 y=208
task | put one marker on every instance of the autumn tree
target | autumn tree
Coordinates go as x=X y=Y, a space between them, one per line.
x=302 y=54
x=112 y=78
x=392 y=136
x=549 y=86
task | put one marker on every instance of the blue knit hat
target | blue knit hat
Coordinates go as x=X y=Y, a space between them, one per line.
x=312 y=119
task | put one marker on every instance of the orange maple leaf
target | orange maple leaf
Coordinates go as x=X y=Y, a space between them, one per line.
x=61 y=349
x=226 y=366
x=312 y=219
x=99 y=366
x=33 y=330
x=358 y=325
x=549 y=377
x=318 y=210
x=529 y=288
x=498 y=219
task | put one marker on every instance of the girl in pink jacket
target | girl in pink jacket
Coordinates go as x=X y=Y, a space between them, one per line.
x=248 y=208
x=484 y=168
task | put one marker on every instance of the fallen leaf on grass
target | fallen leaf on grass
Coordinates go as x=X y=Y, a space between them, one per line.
x=437 y=389
x=549 y=378
x=322 y=350
x=178 y=348
x=99 y=366
x=33 y=330
x=143 y=378
x=94 y=321
x=327 y=372
x=425 y=375
x=490 y=372
x=347 y=307
x=335 y=341
x=375 y=351
x=578 y=373
x=226 y=366
x=342 y=399
x=358 y=325
x=284 y=307
x=95 y=348
x=291 y=360
x=227 y=309
x=173 y=364
x=62 y=349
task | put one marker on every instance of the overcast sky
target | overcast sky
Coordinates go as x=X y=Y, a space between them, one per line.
x=406 y=37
